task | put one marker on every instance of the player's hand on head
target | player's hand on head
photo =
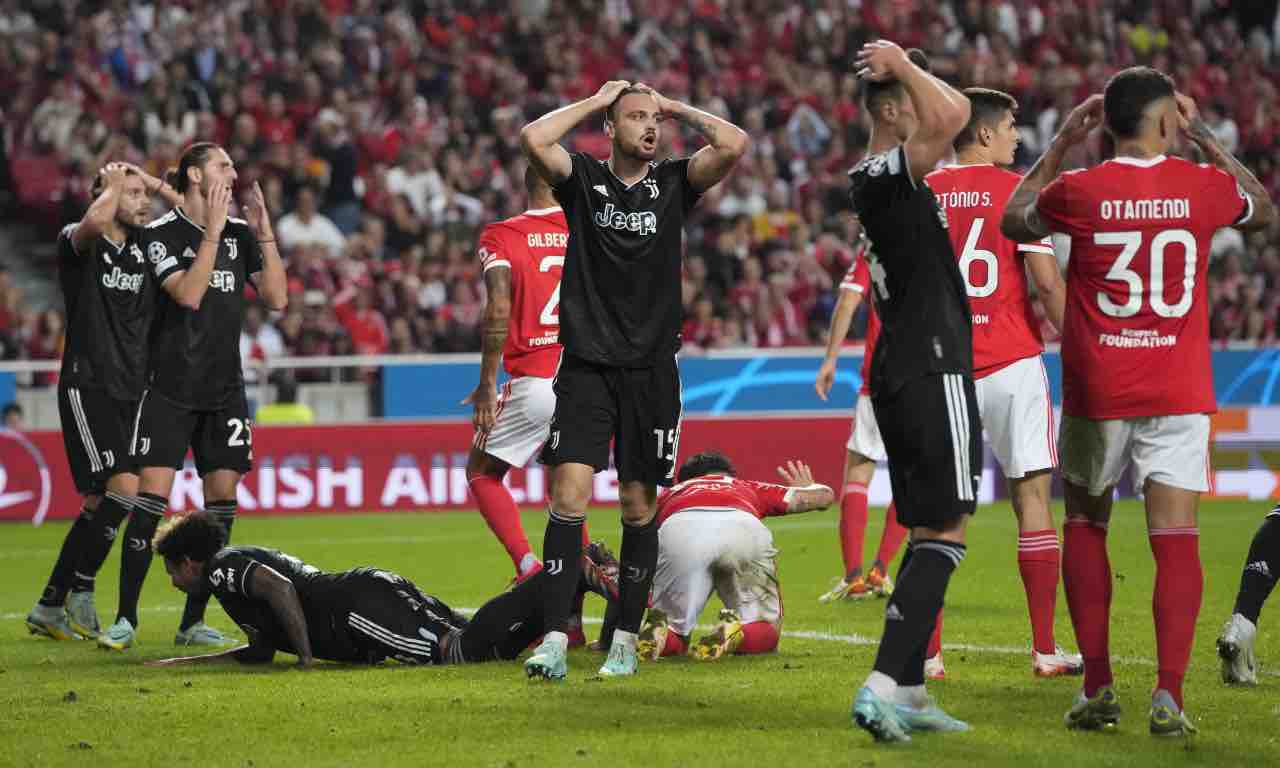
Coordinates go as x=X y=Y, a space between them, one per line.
x=113 y=173
x=1188 y=114
x=826 y=378
x=485 y=400
x=1084 y=118
x=880 y=60
x=610 y=90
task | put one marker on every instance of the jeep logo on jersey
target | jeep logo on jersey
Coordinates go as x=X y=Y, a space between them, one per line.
x=123 y=281
x=644 y=223
x=222 y=279
x=26 y=483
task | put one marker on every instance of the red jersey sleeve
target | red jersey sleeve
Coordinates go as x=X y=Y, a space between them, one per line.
x=493 y=252
x=1058 y=205
x=772 y=498
x=1224 y=198
x=858 y=277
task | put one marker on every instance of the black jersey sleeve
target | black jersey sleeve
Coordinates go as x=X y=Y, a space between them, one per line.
x=164 y=251
x=569 y=188
x=679 y=169
x=67 y=244
x=880 y=181
x=228 y=574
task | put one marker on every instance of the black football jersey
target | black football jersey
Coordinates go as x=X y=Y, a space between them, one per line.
x=919 y=292
x=195 y=354
x=325 y=598
x=109 y=300
x=620 y=289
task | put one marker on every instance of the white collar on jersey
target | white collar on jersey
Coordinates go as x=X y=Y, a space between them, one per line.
x=1139 y=161
x=184 y=215
x=541 y=211
x=625 y=186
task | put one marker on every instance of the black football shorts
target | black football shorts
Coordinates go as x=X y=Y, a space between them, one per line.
x=933 y=436
x=219 y=439
x=96 y=429
x=638 y=409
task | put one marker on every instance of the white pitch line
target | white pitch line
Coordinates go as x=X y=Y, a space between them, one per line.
x=804 y=634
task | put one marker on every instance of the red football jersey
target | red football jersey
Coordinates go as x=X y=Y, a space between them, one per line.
x=721 y=492
x=858 y=279
x=532 y=246
x=1005 y=328
x=1136 y=341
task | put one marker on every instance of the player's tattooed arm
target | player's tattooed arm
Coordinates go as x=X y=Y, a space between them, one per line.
x=1022 y=221
x=726 y=142
x=1264 y=209
x=497 y=312
x=103 y=209
x=266 y=584
x=806 y=494
x=540 y=139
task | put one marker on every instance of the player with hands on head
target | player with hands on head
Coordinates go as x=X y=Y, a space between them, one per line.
x=620 y=316
x=1140 y=226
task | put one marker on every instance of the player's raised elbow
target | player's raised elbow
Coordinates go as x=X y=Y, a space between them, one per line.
x=529 y=141
x=737 y=143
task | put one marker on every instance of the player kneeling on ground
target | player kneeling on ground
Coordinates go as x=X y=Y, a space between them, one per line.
x=364 y=615
x=710 y=538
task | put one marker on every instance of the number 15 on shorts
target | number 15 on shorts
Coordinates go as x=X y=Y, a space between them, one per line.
x=667 y=439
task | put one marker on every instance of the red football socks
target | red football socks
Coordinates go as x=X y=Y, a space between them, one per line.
x=503 y=516
x=758 y=637
x=1039 y=564
x=1086 y=576
x=853 y=524
x=1176 y=602
x=892 y=536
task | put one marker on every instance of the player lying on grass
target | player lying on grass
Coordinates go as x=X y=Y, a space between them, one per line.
x=364 y=615
x=1235 y=644
x=710 y=538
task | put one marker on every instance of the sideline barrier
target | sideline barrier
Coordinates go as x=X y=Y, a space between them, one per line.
x=421 y=465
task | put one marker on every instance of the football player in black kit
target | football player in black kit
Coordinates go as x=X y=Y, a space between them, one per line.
x=363 y=615
x=620 y=316
x=921 y=372
x=201 y=259
x=109 y=298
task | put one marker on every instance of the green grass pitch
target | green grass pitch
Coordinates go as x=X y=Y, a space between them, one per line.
x=790 y=708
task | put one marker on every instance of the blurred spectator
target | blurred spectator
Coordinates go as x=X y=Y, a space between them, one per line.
x=259 y=342
x=306 y=226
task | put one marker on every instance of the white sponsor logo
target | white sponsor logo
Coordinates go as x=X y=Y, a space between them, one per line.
x=15 y=497
x=156 y=251
x=553 y=567
x=222 y=279
x=138 y=545
x=642 y=222
x=652 y=186
x=233 y=247
x=1130 y=338
x=136 y=252
x=981 y=319
x=122 y=281
x=22 y=461
x=892 y=613
x=602 y=189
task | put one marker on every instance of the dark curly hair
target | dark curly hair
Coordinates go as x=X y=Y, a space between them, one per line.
x=705 y=463
x=197 y=536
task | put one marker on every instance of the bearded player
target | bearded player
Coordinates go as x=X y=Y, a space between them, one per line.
x=521 y=258
x=711 y=539
x=1137 y=310
x=618 y=384
x=1009 y=375
x=109 y=299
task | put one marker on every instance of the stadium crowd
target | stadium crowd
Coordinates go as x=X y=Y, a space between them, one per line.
x=385 y=135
